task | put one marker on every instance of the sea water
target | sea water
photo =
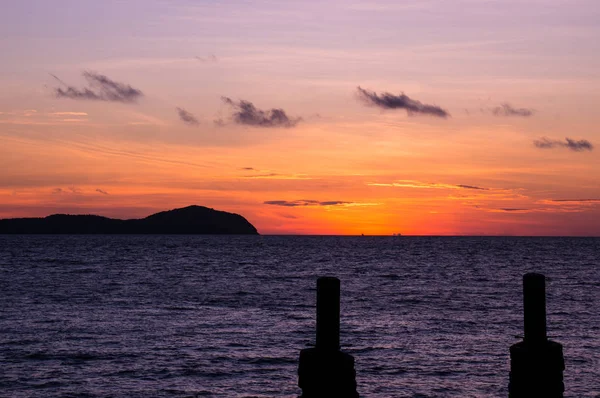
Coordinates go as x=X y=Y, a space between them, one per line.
x=226 y=316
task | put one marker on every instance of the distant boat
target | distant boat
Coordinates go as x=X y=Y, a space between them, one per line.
x=398 y=234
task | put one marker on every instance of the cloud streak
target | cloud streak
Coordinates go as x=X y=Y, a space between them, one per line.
x=315 y=203
x=187 y=117
x=210 y=59
x=103 y=192
x=101 y=88
x=402 y=101
x=569 y=143
x=587 y=200
x=245 y=113
x=425 y=185
x=508 y=110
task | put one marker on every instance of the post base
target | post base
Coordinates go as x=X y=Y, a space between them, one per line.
x=324 y=373
x=536 y=370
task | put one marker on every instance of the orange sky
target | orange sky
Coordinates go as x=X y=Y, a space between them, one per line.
x=345 y=167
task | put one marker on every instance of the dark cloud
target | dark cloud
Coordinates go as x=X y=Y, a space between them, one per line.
x=264 y=175
x=573 y=145
x=187 y=117
x=333 y=203
x=247 y=114
x=472 y=187
x=507 y=110
x=219 y=122
x=513 y=209
x=103 y=192
x=210 y=59
x=68 y=191
x=402 y=101
x=101 y=88
x=297 y=203
x=248 y=168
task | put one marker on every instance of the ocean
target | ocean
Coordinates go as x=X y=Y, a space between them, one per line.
x=227 y=316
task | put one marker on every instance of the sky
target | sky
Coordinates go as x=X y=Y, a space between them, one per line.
x=428 y=117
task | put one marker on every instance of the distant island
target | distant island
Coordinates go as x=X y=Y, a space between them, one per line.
x=188 y=220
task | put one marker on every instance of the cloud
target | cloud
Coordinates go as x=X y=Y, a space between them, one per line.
x=309 y=202
x=187 y=117
x=294 y=203
x=277 y=176
x=402 y=101
x=594 y=200
x=472 y=187
x=426 y=185
x=507 y=110
x=210 y=59
x=68 y=114
x=247 y=114
x=248 y=168
x=103 y=192
x=576 y=146
x=101 y=88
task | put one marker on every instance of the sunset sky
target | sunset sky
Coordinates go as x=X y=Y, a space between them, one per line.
x=473 y=117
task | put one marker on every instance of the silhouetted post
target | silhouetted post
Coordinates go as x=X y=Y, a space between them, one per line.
x=536 y=363
x=324 y=370
x=328 y=313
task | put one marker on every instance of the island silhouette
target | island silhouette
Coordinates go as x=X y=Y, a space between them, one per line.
x=187 y=220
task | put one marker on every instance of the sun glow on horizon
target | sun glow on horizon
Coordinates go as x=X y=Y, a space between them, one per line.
x=302 y=127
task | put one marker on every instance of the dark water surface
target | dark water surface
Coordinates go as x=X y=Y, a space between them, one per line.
x=186 y=316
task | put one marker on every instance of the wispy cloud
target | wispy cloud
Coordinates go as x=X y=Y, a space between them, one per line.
x=68 y=191
x=246 y=113
x=402 y=101
x=425 y=185
x=277 y=176
x=187 y=117
x=309 y=202
x=103 y=192
x=210 y=59
x=576 y=201
x=573 y=145
x=508 y=110
x=101 y=88
x=472 y=187
x=68 y=114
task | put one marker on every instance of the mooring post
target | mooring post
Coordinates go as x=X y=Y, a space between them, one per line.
x=536 y=363
x=325 y=371
x=534 y=308
x=328 y=313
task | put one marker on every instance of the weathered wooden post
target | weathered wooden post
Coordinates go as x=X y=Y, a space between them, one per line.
x=536 y=363
x=324 y=370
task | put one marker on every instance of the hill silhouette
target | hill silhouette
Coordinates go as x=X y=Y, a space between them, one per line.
x=187 y=220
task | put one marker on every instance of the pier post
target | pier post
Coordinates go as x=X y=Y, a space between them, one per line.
x=325 y=371
x=536 y=363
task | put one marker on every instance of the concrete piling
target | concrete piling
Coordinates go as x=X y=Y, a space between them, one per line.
x=328 y=313
x=324 y=370
x=536 y=363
